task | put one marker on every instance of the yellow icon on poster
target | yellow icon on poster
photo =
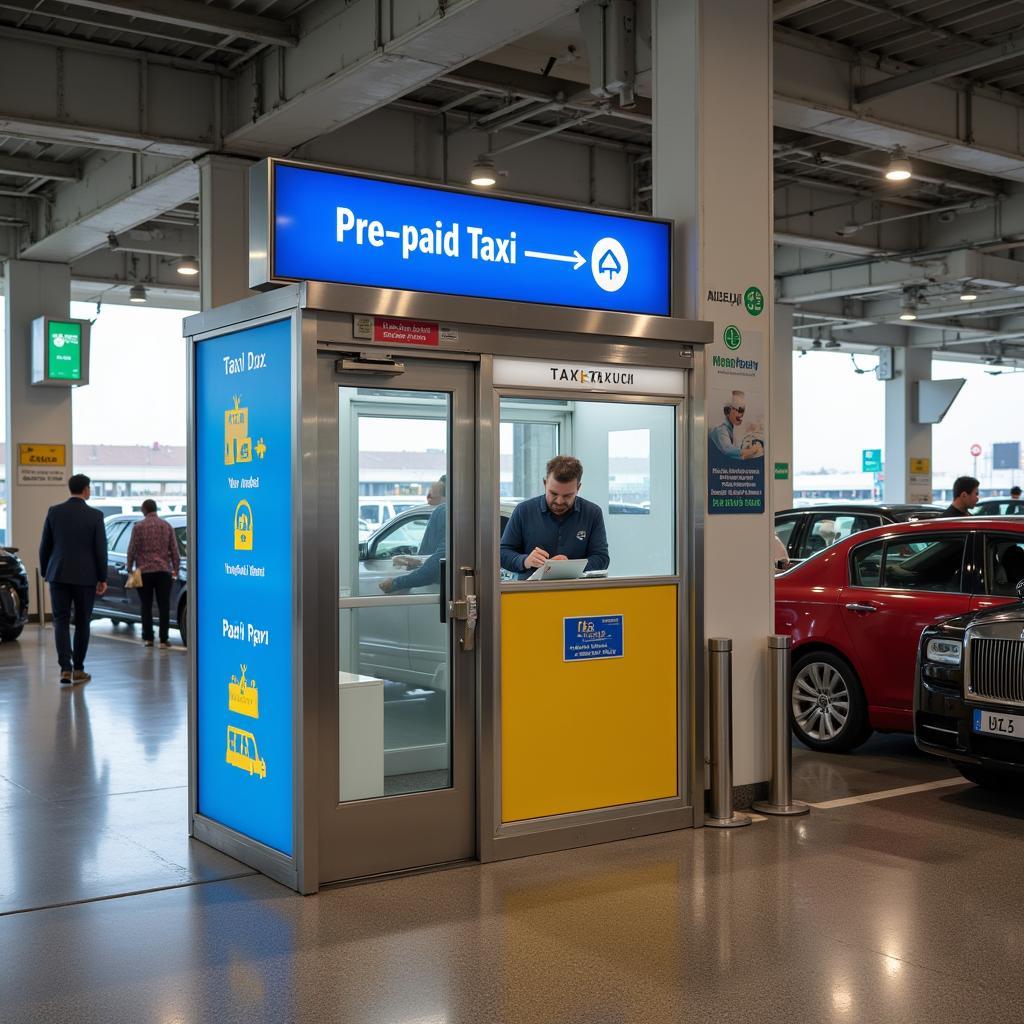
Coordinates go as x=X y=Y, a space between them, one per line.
x=243 y=696
x=242 y=752
x=237 y=442
x=243 y=526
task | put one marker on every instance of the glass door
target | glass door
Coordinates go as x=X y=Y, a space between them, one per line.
x=398 y=705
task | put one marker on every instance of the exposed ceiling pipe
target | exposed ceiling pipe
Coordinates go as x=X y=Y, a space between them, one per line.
x=974 y=204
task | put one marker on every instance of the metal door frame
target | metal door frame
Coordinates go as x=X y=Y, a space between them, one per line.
x=347 y=832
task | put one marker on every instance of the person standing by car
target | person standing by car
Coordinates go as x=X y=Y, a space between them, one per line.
x=1015 y=493
x=425 y=571
x=154 y=549
x=965 y=496
x=73 y=560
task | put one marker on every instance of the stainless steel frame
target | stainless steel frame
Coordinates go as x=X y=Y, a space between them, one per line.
x=322 y=324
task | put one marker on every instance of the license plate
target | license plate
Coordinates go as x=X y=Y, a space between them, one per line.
x=996 y=724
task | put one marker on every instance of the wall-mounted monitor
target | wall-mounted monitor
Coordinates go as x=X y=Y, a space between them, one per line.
x=60 y=351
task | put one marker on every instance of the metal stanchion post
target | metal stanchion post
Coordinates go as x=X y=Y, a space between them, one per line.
x=720 y=674
x=781 y=801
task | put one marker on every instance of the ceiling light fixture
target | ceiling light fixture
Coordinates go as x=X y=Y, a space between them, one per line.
x=899 y=168
x=137 y=294
x=187 y=266
x=968 y=294
x=483 y=174
x=908 y=311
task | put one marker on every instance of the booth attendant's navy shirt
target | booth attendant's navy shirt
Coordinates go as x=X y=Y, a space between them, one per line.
x=578 y=534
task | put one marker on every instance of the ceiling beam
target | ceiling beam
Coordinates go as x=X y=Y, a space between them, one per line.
x=157 y=241
x=26 y=167
x=191 y=14
x=1006 y=50
x=788 y=8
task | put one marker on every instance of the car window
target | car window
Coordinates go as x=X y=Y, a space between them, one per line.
x=1004 y=565
x=866 y=565
x=112 y=530
x=925 y=563
x=371 y=513
x=181 y=534
x=784 y=527
x=119 y=545
x=827 y=529
x=403 y=539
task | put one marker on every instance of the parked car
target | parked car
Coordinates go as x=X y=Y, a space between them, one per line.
x=856 y=610
x=13 y=594
x=376 y=511
x=1000 y=507
x=969 y=698
x=401 y=641
x=121 y=604
x=806 y=531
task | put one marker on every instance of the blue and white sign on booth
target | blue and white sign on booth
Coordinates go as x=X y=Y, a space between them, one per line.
x=325 y=225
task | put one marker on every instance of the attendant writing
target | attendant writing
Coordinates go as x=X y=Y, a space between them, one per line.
x=73 y=560
x=557 y=525
x=965 y=496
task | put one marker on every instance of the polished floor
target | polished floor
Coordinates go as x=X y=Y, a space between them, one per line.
x=875 y=907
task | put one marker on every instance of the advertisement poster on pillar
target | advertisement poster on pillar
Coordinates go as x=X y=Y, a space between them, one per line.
x=737 y=437
x=245 y=581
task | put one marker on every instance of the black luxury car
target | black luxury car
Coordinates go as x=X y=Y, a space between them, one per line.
x=13 y=594
x=121 y=604
x=806 y=531
x=969 y=694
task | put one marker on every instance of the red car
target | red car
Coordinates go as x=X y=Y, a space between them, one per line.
x=856 y=610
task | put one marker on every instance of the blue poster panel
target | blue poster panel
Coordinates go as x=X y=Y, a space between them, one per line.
x=590 y=638
x=330 y=226
x=244 y=589
x=737 y=414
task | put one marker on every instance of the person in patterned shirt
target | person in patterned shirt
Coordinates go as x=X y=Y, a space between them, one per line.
x=154 y=549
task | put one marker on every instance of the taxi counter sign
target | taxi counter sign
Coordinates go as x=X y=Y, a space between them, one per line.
x=60 y=351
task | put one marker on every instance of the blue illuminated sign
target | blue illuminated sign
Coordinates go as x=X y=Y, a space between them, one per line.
x=329 y=226
x=244 y=581
x=590 y=638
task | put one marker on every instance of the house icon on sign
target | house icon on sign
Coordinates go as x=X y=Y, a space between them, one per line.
x=608 y=264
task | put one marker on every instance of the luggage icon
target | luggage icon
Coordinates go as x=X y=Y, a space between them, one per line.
x=243 y=696
x=243 y=526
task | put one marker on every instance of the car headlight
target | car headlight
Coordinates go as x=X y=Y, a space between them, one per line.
x=947 y=652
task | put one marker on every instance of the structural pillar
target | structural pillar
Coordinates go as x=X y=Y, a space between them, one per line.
x=908 y=444
x=713 y=176
x=223 y=230
x=782 y=408
x=35 y=414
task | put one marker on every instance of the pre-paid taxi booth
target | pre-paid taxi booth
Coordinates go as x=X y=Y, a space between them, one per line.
x=371 y=690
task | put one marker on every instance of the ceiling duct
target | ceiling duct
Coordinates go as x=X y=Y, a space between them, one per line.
x=609 y=34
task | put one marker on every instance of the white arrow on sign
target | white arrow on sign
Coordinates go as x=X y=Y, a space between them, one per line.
x=576 y=259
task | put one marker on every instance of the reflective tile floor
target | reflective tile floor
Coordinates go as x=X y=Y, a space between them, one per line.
x=905 y=908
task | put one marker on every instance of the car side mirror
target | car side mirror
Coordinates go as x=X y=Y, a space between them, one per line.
x=1020 y=590
x=364 y=550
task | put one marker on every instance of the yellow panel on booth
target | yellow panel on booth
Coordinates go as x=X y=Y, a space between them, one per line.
x=589 y=714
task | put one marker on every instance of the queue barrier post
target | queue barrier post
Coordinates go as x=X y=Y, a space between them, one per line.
x=780 y=802
x=721 y=814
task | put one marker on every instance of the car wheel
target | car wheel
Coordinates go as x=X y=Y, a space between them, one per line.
x=827 y=702
x=183 y=622
x=987 y=778
x=12 y=633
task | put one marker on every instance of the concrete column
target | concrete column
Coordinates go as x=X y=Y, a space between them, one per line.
x=223 y=230
x=713 y=175
x=34 y=414
x=781 y=447
x=906 y=440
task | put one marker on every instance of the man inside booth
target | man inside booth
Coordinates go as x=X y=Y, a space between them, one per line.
x=558 y=524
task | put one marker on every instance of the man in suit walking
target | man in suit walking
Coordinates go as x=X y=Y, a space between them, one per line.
x=73 y=560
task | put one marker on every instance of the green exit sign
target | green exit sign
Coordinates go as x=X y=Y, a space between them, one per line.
x=64 y=350
x=60 y=351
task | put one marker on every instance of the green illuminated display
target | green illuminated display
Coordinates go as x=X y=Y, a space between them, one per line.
x=64 y=350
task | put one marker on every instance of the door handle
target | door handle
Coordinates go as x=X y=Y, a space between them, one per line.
x=442 y=567
x=464 y=609
x=861 y=607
